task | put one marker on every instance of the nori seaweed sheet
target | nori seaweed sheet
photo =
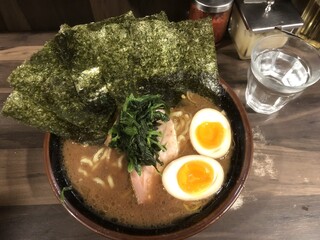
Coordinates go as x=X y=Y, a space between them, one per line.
x=76 y=83
x=24 y=109
x=189 y=63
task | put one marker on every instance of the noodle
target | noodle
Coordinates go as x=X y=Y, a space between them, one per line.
x=181 y=138
x=120 y=161
x=99 y=181
x=110 y=181
x=95 y=166
x=189 y=97
x=100 y=175
x=193 y=206
x=176 y=114
x=86 y=161
x=182 y=122
x=83 y=172
x=106 y=154
x=97 y=156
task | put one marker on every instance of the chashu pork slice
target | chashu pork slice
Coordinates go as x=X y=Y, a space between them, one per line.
x=143 y=185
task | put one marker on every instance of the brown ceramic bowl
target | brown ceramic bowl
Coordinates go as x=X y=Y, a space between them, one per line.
x=241 y=162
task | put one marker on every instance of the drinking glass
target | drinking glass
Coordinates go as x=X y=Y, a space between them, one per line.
x=282 y=66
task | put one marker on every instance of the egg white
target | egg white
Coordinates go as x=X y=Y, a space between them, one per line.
x=170 y=181
x=210 y=115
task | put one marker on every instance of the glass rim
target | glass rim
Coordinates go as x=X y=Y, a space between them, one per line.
x=292 y=89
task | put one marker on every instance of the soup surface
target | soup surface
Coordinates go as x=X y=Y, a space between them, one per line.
x=100 y=175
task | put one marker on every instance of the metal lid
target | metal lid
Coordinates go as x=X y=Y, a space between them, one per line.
x=263 y=15
x=213 y=6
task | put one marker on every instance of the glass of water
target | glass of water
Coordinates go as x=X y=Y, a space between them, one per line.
x=282 y=66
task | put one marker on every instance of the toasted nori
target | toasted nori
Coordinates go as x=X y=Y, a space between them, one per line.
x=46 y=81
x=187 y=64
x=22 y=108
x=48 y=78
x=77 y=82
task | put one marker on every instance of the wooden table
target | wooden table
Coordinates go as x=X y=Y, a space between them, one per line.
x=280 y=199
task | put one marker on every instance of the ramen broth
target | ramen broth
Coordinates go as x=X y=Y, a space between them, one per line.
x=100 y=176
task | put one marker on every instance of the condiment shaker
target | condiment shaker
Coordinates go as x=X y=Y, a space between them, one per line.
x=219 y=10
x=253 y=19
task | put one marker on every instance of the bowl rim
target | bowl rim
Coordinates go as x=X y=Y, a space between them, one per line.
x=232 y=196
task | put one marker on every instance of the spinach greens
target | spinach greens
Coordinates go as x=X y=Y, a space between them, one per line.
x=135 y=132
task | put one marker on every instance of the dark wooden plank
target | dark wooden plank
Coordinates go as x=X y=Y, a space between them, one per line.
x=102 y=9
x=46 y=15
x=73 y=12
x=229 y=63
x=175 y=9
x=10 y=40
x=13 y=17
x=5 y=69
x=15 y=134
x=279 y=201
x=41 y=14
x=28 y=222
x=22 y=177
x=303 y=110
x=3 y=26
x=270 y=217
x=302 y=115
x=22 y=136
x=18 y=53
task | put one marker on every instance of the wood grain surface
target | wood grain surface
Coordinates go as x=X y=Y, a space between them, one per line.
x=45 y=15
x=280 y=199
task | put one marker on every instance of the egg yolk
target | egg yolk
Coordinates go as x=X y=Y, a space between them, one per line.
x=210 y=134
x=195 y=176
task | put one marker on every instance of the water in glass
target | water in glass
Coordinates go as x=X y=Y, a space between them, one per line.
x=272 y=80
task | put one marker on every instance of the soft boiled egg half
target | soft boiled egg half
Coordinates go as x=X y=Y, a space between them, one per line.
x=193 y=177
x=210 y=133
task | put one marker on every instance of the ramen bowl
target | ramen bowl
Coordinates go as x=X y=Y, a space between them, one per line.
x=240 y=164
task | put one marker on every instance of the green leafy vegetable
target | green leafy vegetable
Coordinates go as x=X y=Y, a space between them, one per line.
x=74 y=85
x=24 y=109
x=135 y=132
x=63 y=191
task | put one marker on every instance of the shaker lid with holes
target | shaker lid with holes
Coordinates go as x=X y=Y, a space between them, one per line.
x=213 y=6
x=266 y=15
